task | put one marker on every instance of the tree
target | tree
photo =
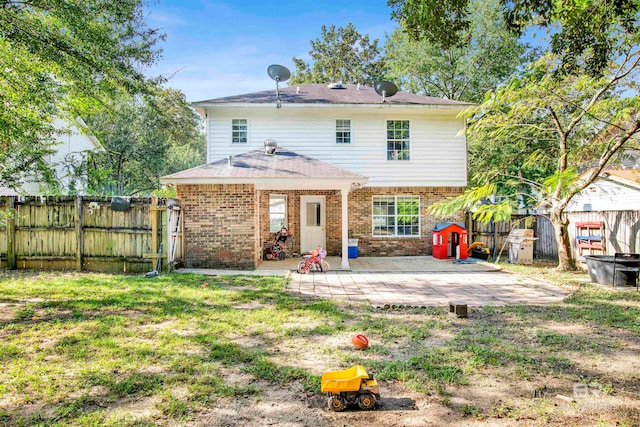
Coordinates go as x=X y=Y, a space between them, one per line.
x=583 y=33
x=60 y=60
x=144 y=137
x=460 y=71
x=529 y=137
x=340 y=55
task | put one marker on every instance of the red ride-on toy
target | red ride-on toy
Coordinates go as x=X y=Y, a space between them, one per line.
x=313 y=260
x=277 y=250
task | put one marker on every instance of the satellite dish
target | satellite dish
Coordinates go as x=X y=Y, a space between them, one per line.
x=279 y=73
x=385 y=88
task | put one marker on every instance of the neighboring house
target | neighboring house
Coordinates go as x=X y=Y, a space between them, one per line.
x=613 y=190
x=347 y=165
x=610 y=206
x=70 y=152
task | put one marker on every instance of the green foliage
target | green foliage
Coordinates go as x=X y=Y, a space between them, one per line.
x=436 y=21
x=586 y=35
x=144 y=138
x=461 y=71
x=340 y=55
x=60 y=60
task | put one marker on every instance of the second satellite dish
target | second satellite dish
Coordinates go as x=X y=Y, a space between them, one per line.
x=279 y=73
x=385 y=88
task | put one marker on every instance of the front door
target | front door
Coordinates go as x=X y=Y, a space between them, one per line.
x=312 y=222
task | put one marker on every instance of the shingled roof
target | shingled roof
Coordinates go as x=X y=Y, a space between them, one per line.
x=323 y=94
x=256 y=164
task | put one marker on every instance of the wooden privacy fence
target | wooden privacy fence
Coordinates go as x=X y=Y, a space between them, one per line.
x=621 y=232
x=86 y=233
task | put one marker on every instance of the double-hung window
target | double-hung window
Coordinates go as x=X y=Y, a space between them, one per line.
x=343 y=131
x=277 y=212
x=239 y=129
x=398 y=142
x=397 y=216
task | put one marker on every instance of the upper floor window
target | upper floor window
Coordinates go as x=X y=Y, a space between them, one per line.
x=398 y=142
x=239 y=131
x=343 y=131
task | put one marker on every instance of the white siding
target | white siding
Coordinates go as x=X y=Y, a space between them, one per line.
x=604 y=195
x=72 y=146
x=438 y=147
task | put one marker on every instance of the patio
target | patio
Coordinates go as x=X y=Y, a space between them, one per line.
x=410 y=281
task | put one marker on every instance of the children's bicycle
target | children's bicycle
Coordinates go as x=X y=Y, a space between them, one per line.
x=313 y=260
x=277 y=250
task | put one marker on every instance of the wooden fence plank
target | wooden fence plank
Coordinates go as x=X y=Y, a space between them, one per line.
x=65 y=232
x=11 y=234
x=79 y=220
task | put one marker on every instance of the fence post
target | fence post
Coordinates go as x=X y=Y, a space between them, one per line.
x=11 y=234
x=153 y=211
x=79 y=233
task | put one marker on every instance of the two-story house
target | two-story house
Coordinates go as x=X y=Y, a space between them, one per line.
x=346 y=165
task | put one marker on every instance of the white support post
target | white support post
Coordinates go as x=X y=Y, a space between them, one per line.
x=345 y=229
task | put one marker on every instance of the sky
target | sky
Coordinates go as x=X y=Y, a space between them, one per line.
x=220 y=48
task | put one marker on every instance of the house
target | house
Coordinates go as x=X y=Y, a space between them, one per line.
x=612 y=190
x=71 y=150
x=604 y=218
x=329 y=162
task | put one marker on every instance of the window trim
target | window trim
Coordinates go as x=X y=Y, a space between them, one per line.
x=335 y=133
x=286 y=216
x=395 y=200
x=246 y=132
x=386 y=140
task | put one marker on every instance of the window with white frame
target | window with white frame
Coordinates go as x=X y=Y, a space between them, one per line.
x=239 y=131
x=277 y=212
x=398 y=142
x=397 y=216
x=343 y=131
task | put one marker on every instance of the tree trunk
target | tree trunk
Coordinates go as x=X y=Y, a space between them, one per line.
x=560 y=223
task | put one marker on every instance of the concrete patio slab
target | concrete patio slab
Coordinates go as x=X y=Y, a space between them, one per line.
x=427 y=289
x=409 y=281
x=384 y=264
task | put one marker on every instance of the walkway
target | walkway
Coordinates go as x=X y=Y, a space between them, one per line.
x=412 y=281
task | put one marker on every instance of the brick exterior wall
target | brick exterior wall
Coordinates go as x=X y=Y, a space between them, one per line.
x=360 y=220
x=222 y=229
x=332 y=221
x=220 y=225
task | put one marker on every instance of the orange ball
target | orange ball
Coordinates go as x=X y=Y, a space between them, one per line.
x=360 y=342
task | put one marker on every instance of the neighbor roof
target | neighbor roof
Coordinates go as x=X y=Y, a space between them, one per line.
x=322 y=94
x=257 y=165
x=622 y=176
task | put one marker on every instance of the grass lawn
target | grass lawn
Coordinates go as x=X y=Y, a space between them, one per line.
x=97 y=349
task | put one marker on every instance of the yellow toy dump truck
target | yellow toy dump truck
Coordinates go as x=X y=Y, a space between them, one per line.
x=351 y=386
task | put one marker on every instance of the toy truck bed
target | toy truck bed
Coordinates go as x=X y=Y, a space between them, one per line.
x=344 y=381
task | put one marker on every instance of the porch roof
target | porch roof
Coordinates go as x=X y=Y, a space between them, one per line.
x=284 y=168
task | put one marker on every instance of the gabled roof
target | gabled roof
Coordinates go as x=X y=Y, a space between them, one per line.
x=629 y=177
x=322 y=94
x=256 y=166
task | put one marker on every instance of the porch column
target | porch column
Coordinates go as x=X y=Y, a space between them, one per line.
x=345 y=229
